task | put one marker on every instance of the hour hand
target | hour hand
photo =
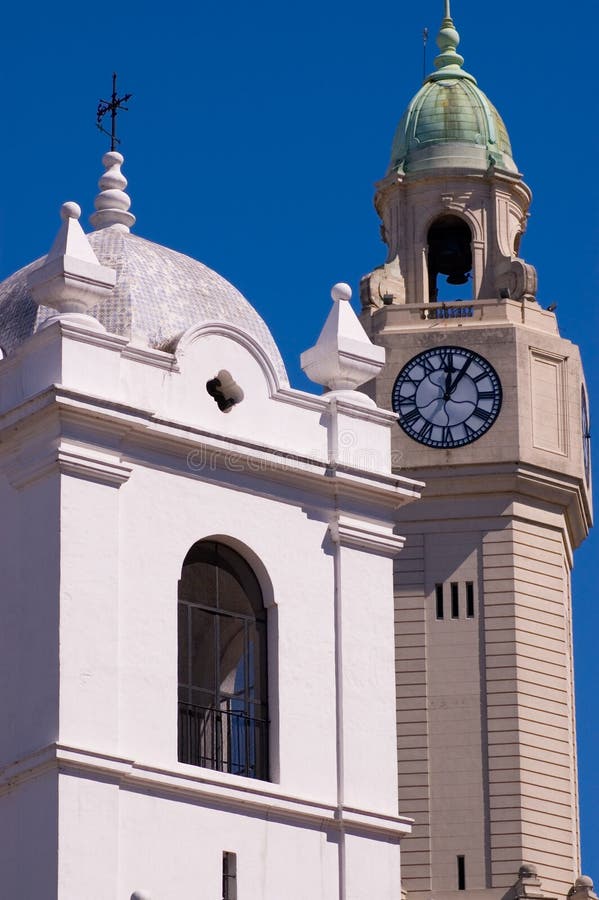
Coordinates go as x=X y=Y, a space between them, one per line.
x=460 y=375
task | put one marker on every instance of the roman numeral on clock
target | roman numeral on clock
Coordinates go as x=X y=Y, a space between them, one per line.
x=426 y=431
x=410 y=418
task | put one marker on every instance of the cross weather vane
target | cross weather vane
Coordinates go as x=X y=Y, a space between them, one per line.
x=111 y=106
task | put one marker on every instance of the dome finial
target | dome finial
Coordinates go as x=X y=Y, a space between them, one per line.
x=448 y=40
x=112 y=203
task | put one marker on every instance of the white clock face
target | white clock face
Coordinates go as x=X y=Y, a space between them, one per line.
x=447 y=397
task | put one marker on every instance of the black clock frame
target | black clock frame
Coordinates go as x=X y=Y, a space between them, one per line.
x=441 y=359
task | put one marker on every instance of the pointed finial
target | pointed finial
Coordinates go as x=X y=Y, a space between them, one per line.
x=70 y=279
x=112 y=203
x=449 y=62
x=343 y=357
x=448 y=40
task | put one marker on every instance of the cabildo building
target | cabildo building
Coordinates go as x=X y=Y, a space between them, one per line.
x=215 y=632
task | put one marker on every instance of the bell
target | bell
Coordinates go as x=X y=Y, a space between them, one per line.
x=457 y=278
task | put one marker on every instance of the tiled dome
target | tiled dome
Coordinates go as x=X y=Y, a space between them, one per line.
x=158 y=295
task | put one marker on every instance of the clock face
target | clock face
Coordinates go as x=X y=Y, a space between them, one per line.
x=447 y=397
x=586 y=435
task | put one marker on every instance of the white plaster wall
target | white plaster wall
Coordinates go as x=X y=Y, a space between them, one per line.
x=89 y=839
x=89 y=615
x=370 y=752
x=115 y=842
x=161 y=517
x=380 y=876
x=29 y=579
x=258 y=416
x=181 y=854
x=29 y=839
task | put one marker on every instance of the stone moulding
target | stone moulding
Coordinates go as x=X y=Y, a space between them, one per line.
x=79 y=464
x=112 y=438
x=223 y=329
x=199 y=786
x=356 y=534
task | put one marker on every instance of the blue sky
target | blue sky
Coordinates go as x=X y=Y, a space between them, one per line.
x=253 y=140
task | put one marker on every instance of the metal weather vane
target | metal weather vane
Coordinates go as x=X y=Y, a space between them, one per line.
x=111 y=106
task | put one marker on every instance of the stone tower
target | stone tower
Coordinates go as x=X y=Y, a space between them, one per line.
x=493 y=417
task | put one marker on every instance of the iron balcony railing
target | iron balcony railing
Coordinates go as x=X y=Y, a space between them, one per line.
x=223 y=739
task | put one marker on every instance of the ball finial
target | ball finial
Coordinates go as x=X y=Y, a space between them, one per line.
x=527 y=871
x=70 y=210
x=341 y=291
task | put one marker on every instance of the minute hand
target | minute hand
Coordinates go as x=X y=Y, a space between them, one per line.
x=460 y=375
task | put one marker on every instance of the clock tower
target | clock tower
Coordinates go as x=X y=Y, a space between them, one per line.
x=492 y=416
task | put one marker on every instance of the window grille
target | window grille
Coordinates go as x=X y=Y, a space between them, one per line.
x=223 y=713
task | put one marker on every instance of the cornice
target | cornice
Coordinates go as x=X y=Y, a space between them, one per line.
x=201 y=786
x=79 y=463
x=148 y=356
x=541 y=488
x=359 y=535
x=112 y=438
x=491 y=175
x=322 y=404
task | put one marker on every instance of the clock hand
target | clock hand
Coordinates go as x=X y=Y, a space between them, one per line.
x=449 y=370
x=446 y=392
x=461 y=374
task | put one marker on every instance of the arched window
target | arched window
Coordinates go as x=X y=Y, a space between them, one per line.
x=223 y=711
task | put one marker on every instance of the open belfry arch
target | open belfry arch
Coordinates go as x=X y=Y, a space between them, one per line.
x=488 y=400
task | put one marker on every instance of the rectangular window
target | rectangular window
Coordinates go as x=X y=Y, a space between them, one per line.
x=439 y=600
x=229 y=876
x=461 y=873
x=455 y=603
x=470 y=599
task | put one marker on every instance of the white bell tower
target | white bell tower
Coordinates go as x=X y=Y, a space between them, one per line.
x=196 y=573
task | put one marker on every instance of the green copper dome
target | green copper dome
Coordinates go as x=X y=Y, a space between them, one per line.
x=450 y=122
